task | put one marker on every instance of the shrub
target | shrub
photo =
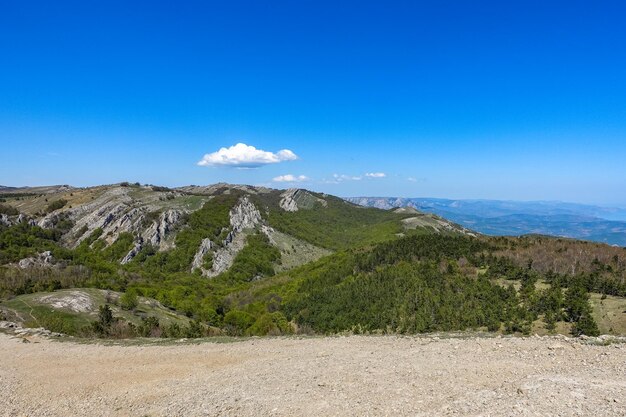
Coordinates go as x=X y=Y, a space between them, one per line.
x=585 y=325
x=56 y=205
x=273 y=324
x=129 y=300
x=150 y=327
x=102 y=326
x=159 y=188
x=173 y=331
x=194 y=330
x=237 y=322
x=11 y=211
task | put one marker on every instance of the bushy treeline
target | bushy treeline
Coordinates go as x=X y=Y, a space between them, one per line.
x=432 y=247
x=23 y=240
x=602 y=267
x=403 y=286
x=407 y=298
x=595 y=278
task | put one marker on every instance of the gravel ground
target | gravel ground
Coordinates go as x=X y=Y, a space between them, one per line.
x=356 y=375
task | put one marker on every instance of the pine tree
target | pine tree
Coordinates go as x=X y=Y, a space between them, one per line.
x=585 y=325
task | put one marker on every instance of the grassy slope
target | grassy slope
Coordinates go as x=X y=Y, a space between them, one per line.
x=610 y=313
x=339 y=225
x=32 y=310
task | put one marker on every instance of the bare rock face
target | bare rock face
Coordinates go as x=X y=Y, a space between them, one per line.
x=198 y=259
x=243 y=216
x=113 y=212
x=5 y=220
x=104 y=217
x=155 y=234
x=132 y=253
x=288 y=200
x=49 y=221
x=295 y=199
x=42 y=260
x=159 y=231
x=223 y=257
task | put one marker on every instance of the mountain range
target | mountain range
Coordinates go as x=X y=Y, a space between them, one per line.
x=245 y=260
x=515 y=218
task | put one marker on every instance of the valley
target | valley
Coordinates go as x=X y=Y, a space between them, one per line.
x=515 y=218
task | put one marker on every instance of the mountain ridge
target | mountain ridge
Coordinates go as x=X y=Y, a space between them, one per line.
x=500 y=217
x=254 y=260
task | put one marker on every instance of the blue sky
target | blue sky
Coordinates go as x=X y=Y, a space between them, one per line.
x=504 y=100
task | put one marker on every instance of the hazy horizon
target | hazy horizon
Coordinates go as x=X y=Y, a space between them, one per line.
x=303 y=186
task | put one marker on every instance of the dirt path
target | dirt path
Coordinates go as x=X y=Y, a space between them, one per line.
x=316 y=377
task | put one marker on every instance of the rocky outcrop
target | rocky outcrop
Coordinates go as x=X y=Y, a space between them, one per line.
x=244 y=216
x=198 y=259
x=42 y=260
x=133 y=252
x=23 y=332
x=295 y=199
x=106 y=212
x=158 y=231
x=49 y=221
x=5 y=220
x=106 y=217
x=154 y=235
x=223 y=257
x=288 y=200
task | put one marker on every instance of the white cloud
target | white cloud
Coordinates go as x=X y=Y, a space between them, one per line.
x=337 y=178
x=245 y=156
x=412 y=179
x=290 y=178
x=342 y=177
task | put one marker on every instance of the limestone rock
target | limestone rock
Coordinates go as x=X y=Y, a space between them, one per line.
x=244 y=216
x=158 y=231
x=132 y=253
x=49 y=221
x=295 y=199
x=288 y=201
x=44 y=259
x=198 y=259
x=5 y=220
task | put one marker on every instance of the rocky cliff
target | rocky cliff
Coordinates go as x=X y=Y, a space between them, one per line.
x=244 y=218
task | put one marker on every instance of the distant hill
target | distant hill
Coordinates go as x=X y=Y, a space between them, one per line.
x=498 y=218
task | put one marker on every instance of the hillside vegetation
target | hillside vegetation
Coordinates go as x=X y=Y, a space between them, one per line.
x=242 y=260
x=432 y=283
